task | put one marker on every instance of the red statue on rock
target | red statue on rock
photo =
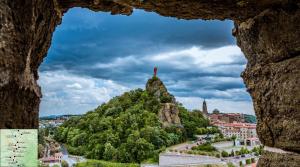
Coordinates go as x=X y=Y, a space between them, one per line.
x=155 y=71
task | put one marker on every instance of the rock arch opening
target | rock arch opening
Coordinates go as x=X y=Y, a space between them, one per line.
x=192 y=55
x=267 y=32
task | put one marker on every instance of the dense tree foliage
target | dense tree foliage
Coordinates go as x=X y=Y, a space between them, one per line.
x=211 y=130
x=126 y=129
x=64 y=164
x=100 y=163
x=192 y=121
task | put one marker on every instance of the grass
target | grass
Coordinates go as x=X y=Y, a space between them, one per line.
x=100 y=163
x=150 y=161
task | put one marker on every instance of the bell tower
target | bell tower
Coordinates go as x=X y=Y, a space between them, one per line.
x=204 y=108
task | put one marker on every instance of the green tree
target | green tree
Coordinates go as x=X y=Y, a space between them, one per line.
x=192 y=121
x=64 y=163
x=244 y=151
x=221 y=135
x=79 y=139
x=127 y=129
x=205 y=147
x=110 y=153
x=40 y=150
x=154 y=136
x=230 y=164
x=233 y=138
x=41 y=135
x=47 y=132
x=224 y=154
x=144 y=150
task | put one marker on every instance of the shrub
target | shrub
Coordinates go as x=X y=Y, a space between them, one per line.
x=166 y=99
x=224 y=154
x=248 y=161
x=230 y=164
x=190 y=152
x=64 y=164
x=100 y=163
x=205 y=147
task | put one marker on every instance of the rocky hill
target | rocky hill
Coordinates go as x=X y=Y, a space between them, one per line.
x=156 y=88
x=168 y=113
x=133 y=127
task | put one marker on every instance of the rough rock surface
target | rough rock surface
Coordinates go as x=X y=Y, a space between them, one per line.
x=156 y=87
x=168 y=113
x=25 y=34
x=267 y=31
x=271 y=159
x=272 y=75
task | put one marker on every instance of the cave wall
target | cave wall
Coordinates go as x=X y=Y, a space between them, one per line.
x=267 y=31
x=270 y=42
x=272 y=74
x=26 y=29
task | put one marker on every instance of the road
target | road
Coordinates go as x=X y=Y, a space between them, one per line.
x=71 y=160
x=227 y=146
x=177 y=159
x=183 y=146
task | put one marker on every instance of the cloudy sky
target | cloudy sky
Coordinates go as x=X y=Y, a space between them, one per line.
x=96 y=56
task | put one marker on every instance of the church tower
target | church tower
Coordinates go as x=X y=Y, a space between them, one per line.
x=204 y=108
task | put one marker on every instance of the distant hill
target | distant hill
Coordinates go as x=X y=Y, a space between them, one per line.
x=48 y=117
x=133 y=127
x=52 y=117
x=250 y=118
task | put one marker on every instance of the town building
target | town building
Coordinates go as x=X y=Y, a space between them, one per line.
x=232 y=124
x=226 y=117
x=52 y=159
x=244 y=132
x=58 y=156
x=204 y=108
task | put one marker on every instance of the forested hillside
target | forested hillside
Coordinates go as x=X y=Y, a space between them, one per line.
x=128 y=128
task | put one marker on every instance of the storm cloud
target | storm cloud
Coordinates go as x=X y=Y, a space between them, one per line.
x=95 y=56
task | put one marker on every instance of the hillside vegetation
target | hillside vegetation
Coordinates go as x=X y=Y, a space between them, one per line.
x=128 y=128
x=95 y=163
